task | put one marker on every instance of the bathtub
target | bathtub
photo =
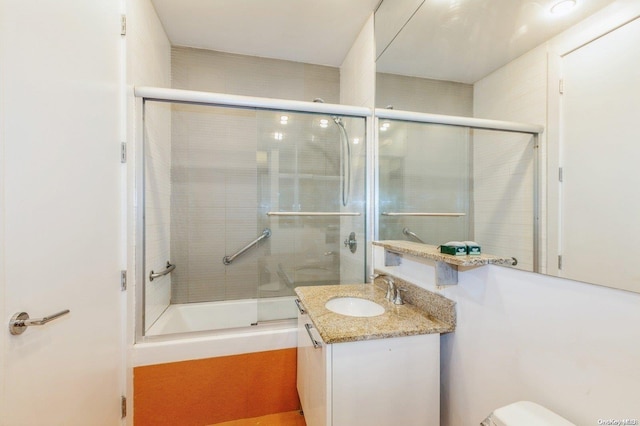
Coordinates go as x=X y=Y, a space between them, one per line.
x=211 y=329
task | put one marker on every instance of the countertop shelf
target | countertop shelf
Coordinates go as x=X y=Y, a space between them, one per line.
x=446 y=264
x=432 y=252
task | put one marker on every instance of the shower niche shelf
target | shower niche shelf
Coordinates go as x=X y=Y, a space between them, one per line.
x=446 y=264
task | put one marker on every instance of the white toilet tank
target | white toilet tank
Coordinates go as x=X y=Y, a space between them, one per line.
x=525 y=413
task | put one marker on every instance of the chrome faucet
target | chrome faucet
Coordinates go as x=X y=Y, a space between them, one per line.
x=397 y=300
x=391 y=287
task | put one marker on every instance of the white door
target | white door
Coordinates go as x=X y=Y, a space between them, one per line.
x=60 y=203
x=600 y=154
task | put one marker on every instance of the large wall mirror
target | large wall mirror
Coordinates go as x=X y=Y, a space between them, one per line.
x=567 y=65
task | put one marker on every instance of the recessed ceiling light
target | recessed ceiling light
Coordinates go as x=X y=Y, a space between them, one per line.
x=284 y=119
x=563 y=6
x=277 y=136
x=356 y=141
x=324 y=123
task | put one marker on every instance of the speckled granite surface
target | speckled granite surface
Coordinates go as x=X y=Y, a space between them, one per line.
x=435 y=305
x=432 y=252
x=397 y=320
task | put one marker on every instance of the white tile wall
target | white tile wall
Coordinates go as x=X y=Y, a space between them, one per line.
x=210 y=71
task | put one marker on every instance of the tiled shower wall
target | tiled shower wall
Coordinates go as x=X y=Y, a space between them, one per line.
x=215 y=208
x=424 y=95
x=210 y=71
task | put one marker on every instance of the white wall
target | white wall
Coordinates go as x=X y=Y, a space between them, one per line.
x=570 y=346
x=357 y=87
x=148 y=64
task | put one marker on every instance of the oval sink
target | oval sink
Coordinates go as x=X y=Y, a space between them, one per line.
x=354 y=307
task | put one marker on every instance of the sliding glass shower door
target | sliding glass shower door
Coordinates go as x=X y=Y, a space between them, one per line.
x=311 y=196
x=242 y=205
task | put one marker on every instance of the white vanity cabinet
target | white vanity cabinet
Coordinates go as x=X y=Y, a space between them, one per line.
x=380 y=382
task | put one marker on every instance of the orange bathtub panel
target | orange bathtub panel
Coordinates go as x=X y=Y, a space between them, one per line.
x=214 y=390
x=265 y=371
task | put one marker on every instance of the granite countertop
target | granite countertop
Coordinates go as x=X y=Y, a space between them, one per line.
x=432 y=252
x=397 y=321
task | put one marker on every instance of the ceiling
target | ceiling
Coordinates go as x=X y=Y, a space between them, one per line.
x=313 y=31
x=464 y=40
x=456 y=40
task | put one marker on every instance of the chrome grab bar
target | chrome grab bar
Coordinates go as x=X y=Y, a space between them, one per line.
x=265 y=234
x=154 y=275
x=316 y=344
x=422 y=214
x=20 y=321
x=313 y=214
x=408 y=232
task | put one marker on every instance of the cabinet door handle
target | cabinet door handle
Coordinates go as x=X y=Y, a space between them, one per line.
x=316 y=344
x=300 y=308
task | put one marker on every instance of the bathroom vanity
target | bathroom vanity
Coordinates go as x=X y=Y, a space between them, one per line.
x=378 y=370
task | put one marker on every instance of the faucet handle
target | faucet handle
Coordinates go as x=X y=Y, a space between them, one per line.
x=391 y=288
x=397 y=300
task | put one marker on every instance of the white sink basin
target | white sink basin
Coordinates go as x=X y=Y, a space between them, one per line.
x=354 y=307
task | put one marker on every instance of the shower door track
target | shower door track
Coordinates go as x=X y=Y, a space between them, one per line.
x=226 y=100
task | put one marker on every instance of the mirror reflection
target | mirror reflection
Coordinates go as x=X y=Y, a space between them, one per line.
x=519 y=60
x=440 y=183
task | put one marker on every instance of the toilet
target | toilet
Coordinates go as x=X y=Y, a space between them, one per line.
x=524 y=413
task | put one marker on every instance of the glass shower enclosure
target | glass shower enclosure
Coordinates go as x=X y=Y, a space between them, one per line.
x=243 y=204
